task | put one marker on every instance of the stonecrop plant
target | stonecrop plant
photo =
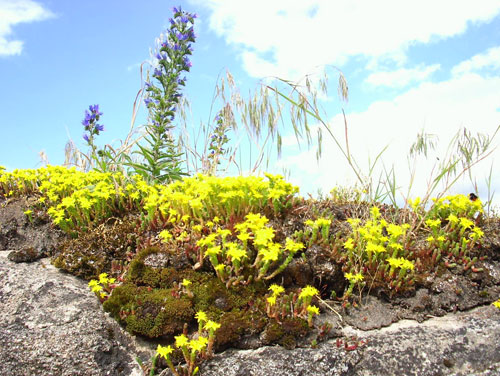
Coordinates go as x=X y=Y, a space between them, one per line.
x=253 y=255
x=376 y=248
x=453 y=233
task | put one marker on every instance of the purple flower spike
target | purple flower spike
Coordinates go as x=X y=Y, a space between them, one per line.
x=90 y=122
x=157 y=72
x=95 y=110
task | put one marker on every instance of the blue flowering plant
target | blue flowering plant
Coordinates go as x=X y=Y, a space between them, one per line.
x=92 y=129
x=160 y=158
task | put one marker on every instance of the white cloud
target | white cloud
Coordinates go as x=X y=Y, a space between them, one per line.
x=295 y=36
x=489 y=59
x=439 y=108
x=402 y=77
x=13 y=12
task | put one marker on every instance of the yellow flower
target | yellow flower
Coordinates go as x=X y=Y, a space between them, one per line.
x=103 y=278
x=375 y=212
x=308 y=291
x=271 y=300
x=244 y=236
x=165 y=236
x=201 y=316
x=263 y=236
x=186 y=282
x=466 y=223
x=433 y=223
x=164 y=351
x=394 y=231
x=235 y=252
x=181 y=340
x=394 y=262
x=323 y=222
x=452 y=218
x=292 y=246
x=354 y=222
x=271 y=253
x=213 y=251
x=197 y=344
x=497 y=303
x=313 y=310
x=276 y=289
x=211 y=325
x=414 y=204
x=407 y=265
x=377 y=248
x=349 y=244
x=96 y=288
x=353 y=278
x=401 y=263
x=477 y=233
x=395 y=245
x=309 y=223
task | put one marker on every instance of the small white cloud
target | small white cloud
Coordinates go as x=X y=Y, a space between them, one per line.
x=294 y=35
x=490 y=59
x=402 y=77
x=13 y=12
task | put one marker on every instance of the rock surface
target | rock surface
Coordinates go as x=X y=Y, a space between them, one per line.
x=455 y=344
x=53 y=325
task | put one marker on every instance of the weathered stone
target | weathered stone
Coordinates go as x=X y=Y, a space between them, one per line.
x=53 y=325
x=456 y=344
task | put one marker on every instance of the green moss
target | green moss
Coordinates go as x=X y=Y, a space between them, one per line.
x=237 y=324
x=149 y=312
x=285 y=333
x=272 y=333
x=211 y=295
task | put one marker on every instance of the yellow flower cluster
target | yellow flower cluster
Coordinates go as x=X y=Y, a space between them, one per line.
x=370 y=246
x=76 y=200
x=454 y=233
x=101 y=287
x=192 y=349
x=253 y=248
x=375 y=239
x=205 y=197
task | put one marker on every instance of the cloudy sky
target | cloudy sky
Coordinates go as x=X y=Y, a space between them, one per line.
x=410 y=66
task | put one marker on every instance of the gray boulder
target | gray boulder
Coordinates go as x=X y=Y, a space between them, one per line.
x=52 y=324
x=456 y=344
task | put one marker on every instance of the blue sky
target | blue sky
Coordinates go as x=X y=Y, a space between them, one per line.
x=409 y=65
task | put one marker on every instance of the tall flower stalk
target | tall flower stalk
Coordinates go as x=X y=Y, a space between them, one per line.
x=160 y=157
x=92 y=129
